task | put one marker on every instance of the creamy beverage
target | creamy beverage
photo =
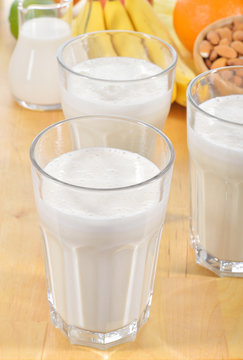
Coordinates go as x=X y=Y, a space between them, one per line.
x=101 y=187
x=117 y=85
x=101 y=245
x=33 y=71
x=216 y=153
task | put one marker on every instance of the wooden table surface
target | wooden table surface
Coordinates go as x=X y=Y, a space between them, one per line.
x=194 y=314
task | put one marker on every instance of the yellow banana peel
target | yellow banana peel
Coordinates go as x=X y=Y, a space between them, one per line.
x=183 y=76
x=174 y=93
x=164 y=10
x=203 y=92
x=77 y=15
x=117 y=18
x=90 y=19
x=165 y=7
x=146 y=20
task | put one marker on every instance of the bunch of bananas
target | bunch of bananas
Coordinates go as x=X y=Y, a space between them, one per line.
x=140 y=16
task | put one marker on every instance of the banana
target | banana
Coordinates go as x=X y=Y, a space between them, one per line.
x=77 y=15
x=174 y=93
x=164 y=6
x=146 y=20
x=164 y=10
x=183 y=76
x=185 y=67
x=116 y=18
x=90 y=19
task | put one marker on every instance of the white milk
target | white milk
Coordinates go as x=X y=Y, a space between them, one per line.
x=147 y=100
x=216 y=150
x=33 y=71
x=101 y=246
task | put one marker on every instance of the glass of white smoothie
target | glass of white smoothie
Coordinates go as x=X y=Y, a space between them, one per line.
x=215 y=142
x=101 y=201
x=33 y=69
x=123 y=73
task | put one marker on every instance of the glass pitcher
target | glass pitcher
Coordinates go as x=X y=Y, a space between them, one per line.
x=33 y=70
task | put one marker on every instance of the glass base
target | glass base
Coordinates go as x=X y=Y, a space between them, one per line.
x=99 y=340
x=38 y=107
x=219 y=267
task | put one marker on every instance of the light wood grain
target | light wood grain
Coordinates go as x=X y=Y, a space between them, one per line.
x=194 y=314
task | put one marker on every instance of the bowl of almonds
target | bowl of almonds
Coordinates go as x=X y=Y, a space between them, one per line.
x=220 y=44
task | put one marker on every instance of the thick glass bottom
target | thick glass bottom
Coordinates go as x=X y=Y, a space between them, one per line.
x=212 y=263
x=38 y=107
x=99 y=340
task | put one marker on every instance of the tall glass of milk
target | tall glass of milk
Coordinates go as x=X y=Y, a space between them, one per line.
x=33 y=70
x=123 y=73
x=101 y=201
x=215 y=142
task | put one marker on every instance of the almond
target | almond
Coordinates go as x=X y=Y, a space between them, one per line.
x=213 y=37
x=229 y=26
x=237 y=61
x=239 y=72
x=224 y=46
x=225 y=51
x=237 y=25
x=224 y=33
x=224 y=41
x=208 y=63
x=227 y=74
x=205 y=48
x=238 y=80
x=213 y=55
x=220 y=62
x=238 y=35
x=238 y=46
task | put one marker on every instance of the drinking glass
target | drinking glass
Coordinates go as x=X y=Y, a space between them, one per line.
x=101 y=230
x=215 y=142
x=33 y=69
x=124 y=73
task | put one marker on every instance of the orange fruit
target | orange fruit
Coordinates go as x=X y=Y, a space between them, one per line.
x=191 y=16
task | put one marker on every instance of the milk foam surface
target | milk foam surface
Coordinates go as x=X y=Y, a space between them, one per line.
x=119 y=86
x=117 y=168
x=229 y=108
x=103 y=168
x=124 y=69
x=101 y=245
x=216 y=151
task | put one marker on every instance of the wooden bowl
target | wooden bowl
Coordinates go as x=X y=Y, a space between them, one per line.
x=198 y=60
x=224 y=87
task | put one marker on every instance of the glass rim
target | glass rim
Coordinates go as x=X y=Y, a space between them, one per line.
x=160 y=174
x=204 y=75
x=136 y=33
x=42 y=6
